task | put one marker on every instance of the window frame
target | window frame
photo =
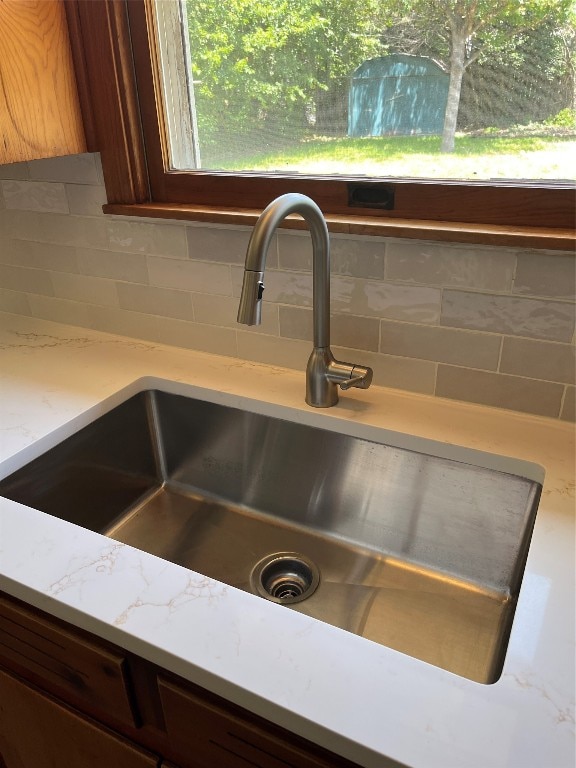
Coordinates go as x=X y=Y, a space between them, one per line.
x=118 y=69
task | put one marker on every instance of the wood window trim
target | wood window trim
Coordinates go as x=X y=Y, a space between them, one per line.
x=120 y=109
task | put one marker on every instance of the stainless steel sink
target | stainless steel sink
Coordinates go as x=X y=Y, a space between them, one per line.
x=419 y=553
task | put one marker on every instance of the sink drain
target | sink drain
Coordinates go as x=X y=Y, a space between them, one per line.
x=285 y=577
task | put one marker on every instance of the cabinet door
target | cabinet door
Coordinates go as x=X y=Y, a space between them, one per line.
x=39 y=106
x=209 y=735
x=36 y=732
x=67 y=663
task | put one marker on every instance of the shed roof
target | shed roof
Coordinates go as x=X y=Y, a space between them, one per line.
x=398 y=64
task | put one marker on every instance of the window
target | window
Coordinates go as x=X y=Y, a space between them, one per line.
x=187 y=157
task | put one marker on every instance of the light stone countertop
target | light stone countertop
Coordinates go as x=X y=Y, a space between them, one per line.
x=355 y=697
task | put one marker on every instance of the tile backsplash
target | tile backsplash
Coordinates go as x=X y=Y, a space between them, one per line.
x=480 y=324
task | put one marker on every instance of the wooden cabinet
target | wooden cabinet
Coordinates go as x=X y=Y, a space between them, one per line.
x=224 y=736
x=69 y=686
x=66 y=663
x=38 y=732
x=39 y=108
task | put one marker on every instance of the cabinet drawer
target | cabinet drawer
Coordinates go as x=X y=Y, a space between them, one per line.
x=38 y=732
x=214 y=735
x=64 y=663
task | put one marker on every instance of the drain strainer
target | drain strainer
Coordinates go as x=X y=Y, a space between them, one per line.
x=285 y=577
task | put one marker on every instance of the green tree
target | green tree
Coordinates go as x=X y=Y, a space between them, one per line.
x=461 y=32
x=256 y=62
x=533 y=69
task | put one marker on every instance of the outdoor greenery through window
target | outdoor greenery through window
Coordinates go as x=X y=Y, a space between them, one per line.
x=442 y=89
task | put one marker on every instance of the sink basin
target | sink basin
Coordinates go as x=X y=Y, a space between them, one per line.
x=417 y=552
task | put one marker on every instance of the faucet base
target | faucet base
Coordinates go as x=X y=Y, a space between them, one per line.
x=320 y=391
x=324 y=374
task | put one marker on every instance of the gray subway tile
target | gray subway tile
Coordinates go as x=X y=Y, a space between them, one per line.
x=224 y=245
x=282 y=287
x=387 y=300
x=274 y=350
x=136 y=325
x=15 y=171
x=568 y=412
x=57 y=228
x=352 y=295
x=197 y=276
x=549 y=361
x=143 y=237
x=546 y=273
x=76 y=169
x=69 y=312
x=511 y=315
x=499 y=390
x=223 y=310
x=155 y=301
x=446 y=345
x=349 y=256
x=295 y=251
x=345 y=330
x=295 y=323
x=89 y=290
x=358 y=258
x=406 y=374
x=205 y=338
x=15 y=302
x=237 y=276
x=447 y=265
x=128 y=267
x=43 y=196
x=99 y=170
x=27 y=253
x=108 y=319
x=26 y=280
x=85 y=200
x=279 y=286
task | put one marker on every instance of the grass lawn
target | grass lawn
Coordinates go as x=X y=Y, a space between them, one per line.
x=523 y=157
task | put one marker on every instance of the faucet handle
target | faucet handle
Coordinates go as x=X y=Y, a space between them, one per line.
x=362 y=380
x=324 y=375
x=349 y=383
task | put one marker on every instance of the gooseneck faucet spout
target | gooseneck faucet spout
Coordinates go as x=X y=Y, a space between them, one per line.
x=323 y=373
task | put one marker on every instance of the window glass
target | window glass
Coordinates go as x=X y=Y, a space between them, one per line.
x=452 y=89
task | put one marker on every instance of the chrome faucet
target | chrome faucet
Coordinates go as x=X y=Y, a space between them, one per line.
x=323 y=372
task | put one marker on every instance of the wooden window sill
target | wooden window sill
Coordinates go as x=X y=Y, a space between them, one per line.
x=551 y=238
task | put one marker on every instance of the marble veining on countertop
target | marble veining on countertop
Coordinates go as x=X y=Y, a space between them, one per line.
x=355 y=697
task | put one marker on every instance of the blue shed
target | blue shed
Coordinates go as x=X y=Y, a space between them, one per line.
x=397 y=94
